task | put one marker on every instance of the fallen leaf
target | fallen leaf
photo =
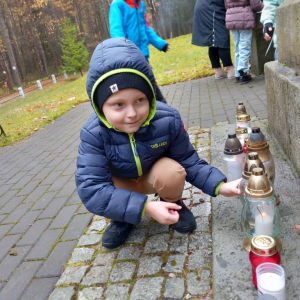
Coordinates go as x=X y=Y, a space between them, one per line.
x=297 y=229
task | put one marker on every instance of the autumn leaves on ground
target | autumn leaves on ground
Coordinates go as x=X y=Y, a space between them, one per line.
x=22 y=117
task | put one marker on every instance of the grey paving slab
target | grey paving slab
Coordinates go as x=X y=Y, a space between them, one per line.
x=7 y=243
x=77 y=226
x=25 y=222
x=54 y=263
x=64 y=216
x=34 y=232
x=19 y=281
x=39 y=289
x=11 y=205
x=46 y=242
x=36 y=193
x=18 y=212
x=53 y=208
x=7 y=196
x=12 y=261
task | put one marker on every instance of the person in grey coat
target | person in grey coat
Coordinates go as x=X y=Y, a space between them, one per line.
x=209 y=30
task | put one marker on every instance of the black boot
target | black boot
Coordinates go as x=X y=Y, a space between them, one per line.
x=244 y=77
x=115 y=234
x=187 y=222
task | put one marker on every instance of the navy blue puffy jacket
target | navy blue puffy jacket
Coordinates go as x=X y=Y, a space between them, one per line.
x=105 y=152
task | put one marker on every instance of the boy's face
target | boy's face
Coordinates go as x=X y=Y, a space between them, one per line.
x=126 y=110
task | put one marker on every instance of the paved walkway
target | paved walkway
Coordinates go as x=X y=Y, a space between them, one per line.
x=42 y=218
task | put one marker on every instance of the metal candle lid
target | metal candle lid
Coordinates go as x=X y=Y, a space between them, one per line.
x=240 y=109
x=243 y=118
x=233 y=145
x=257 y=141
x=241 y=130
x=258 y=185
x=253 y=161
x=263 y=245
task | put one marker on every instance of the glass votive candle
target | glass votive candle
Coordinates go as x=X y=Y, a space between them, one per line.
x=271 y=280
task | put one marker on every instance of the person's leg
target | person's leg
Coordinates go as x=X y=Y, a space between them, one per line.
x=167 y=178
x=213 y=53
x=225 y=57
x=245 y=52
x=236 y=39
x=117 y=232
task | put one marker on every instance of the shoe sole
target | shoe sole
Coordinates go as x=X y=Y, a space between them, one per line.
x=185 y=229
x=245 y=82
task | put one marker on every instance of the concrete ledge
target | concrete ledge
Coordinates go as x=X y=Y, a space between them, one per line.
x=283 y=94
x=231 y=266
x=288 y=32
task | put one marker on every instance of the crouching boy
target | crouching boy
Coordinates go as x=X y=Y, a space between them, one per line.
x=133 y=146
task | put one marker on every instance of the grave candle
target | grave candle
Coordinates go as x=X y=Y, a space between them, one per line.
x=263 y=221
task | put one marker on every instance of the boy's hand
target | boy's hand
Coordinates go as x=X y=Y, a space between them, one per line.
x=163 y=212
x=230 y=189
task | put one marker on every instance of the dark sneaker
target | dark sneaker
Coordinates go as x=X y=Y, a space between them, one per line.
x=244 y=78
x=187 y=222
x=237 y=79
x=115 y=234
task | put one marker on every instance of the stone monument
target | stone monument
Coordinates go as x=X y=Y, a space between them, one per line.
x=283 y=82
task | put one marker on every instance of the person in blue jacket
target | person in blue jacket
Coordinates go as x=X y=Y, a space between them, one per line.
x=128 y=19
x=133 y=145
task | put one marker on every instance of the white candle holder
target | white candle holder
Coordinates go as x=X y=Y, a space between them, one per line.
x=271 y=280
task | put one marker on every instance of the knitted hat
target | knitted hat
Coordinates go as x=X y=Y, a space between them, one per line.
x=120 y=81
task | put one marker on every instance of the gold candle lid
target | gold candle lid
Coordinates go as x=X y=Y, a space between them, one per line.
x=253 y=161
x=243 y=118
x=257 y=141
x=241 y=130
x=258 y=185
x=263 y=245
x=240 y=109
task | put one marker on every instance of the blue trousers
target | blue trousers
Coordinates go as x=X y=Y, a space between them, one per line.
x=242 y=41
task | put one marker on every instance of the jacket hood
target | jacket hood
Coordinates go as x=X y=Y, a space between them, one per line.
x=113 y=56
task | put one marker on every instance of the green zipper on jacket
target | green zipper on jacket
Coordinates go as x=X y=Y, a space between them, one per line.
x=135 y=154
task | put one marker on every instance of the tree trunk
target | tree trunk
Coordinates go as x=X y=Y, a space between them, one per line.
x=9 y=48
x=6 y=74
x=37 y=42
x=104 y=18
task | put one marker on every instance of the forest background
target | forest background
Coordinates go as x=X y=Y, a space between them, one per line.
x=30 y=35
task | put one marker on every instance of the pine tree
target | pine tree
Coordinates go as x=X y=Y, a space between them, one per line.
x=75 y=55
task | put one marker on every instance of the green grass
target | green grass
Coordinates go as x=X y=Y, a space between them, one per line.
x=21 y=117
x=183 y=62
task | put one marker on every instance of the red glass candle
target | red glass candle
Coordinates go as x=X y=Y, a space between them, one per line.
x=263 y=249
